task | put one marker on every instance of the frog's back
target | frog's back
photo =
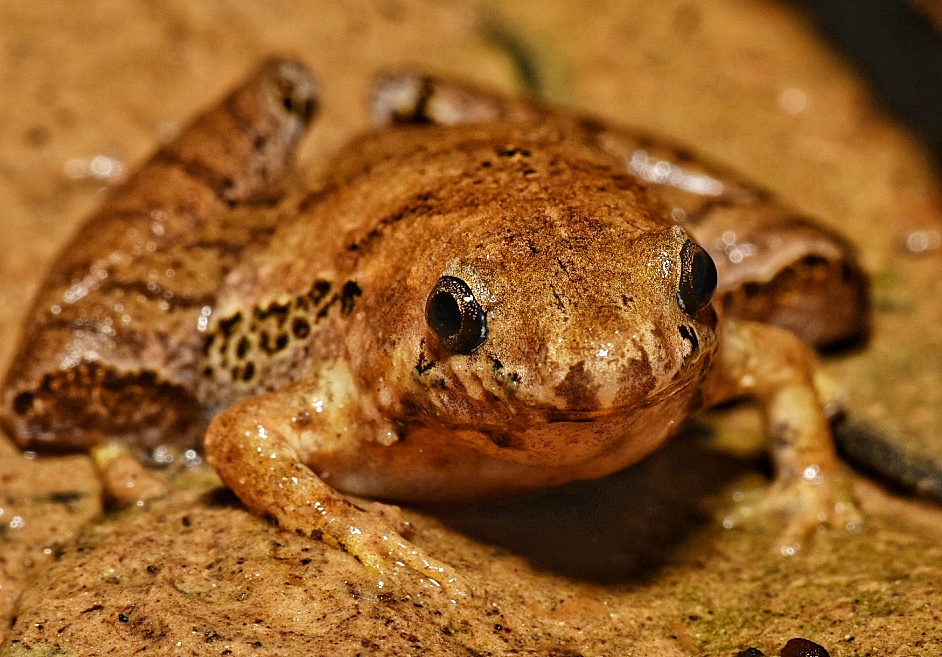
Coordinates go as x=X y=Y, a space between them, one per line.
x=393 y=209
x=418 y=181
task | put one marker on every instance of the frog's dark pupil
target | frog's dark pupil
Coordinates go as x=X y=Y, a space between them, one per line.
x=444 y=315
x=697 y=279
x=454 y=316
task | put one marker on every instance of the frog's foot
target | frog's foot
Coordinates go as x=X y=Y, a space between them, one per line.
x=372 y=534
x=370 y=537
x=831 y=394
x=809 y=503
x=390 y=513
x=773 y=366
x=126 y=481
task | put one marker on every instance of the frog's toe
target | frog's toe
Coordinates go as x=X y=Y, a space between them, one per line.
x=831 y=394
x=808 y=504
x=386 y=554
x=390 y=514
x=126 y=481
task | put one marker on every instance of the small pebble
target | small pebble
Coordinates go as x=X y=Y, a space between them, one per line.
x=803 y=648
x=750 y=652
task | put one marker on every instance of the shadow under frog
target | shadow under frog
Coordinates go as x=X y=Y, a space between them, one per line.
x=484 y=297
x=620 y=529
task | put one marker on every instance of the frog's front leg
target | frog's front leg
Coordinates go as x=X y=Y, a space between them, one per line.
x=774 y=367
x=259 y=452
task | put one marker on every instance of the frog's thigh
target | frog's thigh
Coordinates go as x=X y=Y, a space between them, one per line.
x=257 y=454
x=399 y=97
x=779 y=371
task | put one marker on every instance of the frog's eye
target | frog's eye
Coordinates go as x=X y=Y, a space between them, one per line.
x=697 y=279
x=455 y=317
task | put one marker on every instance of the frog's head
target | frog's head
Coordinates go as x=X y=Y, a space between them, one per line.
x=565 y=321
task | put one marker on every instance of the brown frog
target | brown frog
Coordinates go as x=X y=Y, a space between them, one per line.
x=486 y=296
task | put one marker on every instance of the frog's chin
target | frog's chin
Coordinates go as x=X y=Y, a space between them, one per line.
x=595 y=441
x=552 y=414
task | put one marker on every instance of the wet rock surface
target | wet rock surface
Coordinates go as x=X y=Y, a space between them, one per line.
x=639 y=563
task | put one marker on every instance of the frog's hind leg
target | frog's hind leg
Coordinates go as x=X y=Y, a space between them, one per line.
x=110 y=349
x=780 y=268
x=414 y=98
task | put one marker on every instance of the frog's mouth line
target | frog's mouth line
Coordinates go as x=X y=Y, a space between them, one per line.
x=578 y=415
x=525 y=416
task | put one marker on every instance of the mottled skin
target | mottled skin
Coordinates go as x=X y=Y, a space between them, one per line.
x=329 y=374
x=110 y=350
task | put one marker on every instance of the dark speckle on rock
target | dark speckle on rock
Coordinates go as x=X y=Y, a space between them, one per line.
x=803 y=648
x=750 y=652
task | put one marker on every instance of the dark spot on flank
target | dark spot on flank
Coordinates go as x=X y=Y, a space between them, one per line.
x=300 y=328
x=276 y=310
x=208 y=344
x=23 y=403
x=322 y=313
x=688 y=334
x=242 y=347
x=272 y=346
x=348 y=296
x=317 y=293
x=502 y=439
x=37 y=135
x=248 y=372
x=207 y=372
x=502 y=372
x=423 y=365
x=783 y=433
x=227 y=326
x=751 y=289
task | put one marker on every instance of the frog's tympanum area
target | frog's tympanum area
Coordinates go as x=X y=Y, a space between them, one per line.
x=483 y=296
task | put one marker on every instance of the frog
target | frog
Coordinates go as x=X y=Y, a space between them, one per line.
x=482 y=296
